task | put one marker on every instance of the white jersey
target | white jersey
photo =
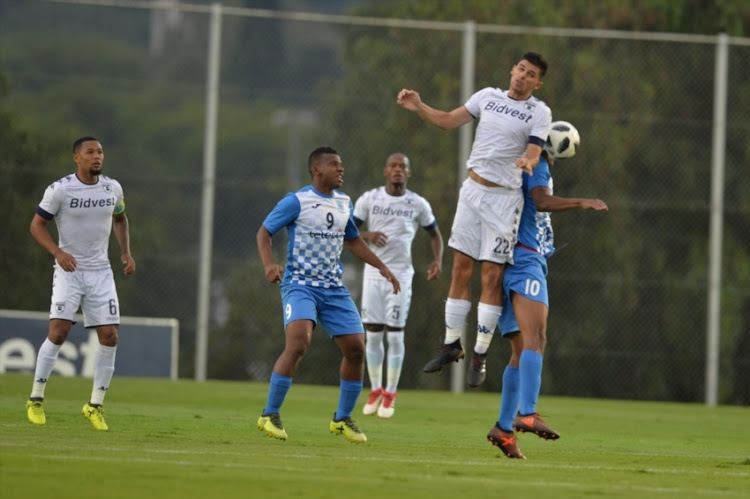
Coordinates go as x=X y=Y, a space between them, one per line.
x=398 y=217
x=505 y=128
x=83 y=214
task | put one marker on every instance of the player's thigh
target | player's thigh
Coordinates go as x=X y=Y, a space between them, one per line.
x=527 y=277
x=499 y=219
x=507 y=321
x=338 y=313
x=374 y=300
x=67 y=293
x=298 y=303
x=466 y=232
x=100 y=305
x=398 y=305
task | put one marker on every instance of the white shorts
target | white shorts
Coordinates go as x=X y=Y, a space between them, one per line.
x=381 y=306
x=485 y=226
x=91 y=290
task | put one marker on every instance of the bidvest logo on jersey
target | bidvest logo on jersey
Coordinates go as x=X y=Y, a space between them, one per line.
x=91 y=203
x=393 y=212
x=504 y=109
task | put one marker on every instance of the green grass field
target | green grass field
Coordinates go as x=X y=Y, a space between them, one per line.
x=185 y=439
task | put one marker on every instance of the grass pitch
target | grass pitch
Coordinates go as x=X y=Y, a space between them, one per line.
x=182 y=439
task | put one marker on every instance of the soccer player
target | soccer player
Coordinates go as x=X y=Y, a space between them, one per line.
x=513 y=126
x=319 y=221
x=526 y=307
x=392 y=213
x=86 y=207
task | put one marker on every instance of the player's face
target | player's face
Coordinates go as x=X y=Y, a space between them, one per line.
x=331 y=171
x=397 y=169
x=90 y=157
x=524 y=79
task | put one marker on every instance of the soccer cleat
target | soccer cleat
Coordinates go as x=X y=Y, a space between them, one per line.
x=533 y=423
x=477 y=369
x=271 y=424
x=35 y=412
x=448 y=353
x=373 y=402
x=347 y=428
x=386 y=409
x=507 y=442
x=95 y=414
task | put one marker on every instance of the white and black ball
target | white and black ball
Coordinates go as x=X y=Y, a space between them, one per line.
x=563 y=140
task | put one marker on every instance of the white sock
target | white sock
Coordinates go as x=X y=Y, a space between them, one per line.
x=395 y=359
x=455 y=318
x=104 y=368
x=487 y=317
x=375 y=352
x=45 y=361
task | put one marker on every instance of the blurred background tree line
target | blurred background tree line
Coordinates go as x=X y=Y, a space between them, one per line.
x=627 y=297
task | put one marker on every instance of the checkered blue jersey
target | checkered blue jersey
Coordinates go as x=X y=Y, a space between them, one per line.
x=317 y=225
x=535 y=229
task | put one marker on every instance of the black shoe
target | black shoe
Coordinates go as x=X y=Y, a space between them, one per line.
x=477 y=369
x=448 y=353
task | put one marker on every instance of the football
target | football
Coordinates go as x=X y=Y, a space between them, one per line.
x=563 y=140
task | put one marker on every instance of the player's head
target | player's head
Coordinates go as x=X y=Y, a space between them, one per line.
x=88 y=155
x=397 y=169
x=538 y=61
x=326 y=169
x=526 y=75
x=79 y=142
x=316 y=155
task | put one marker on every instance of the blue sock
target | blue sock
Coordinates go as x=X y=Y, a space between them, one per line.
x=509 y=398
x=276 y=393
x=348 y=396
x=531 y=380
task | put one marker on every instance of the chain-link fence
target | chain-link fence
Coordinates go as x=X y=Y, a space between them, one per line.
x=629 y=294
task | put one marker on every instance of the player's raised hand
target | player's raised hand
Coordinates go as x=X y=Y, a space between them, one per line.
x=409 y=99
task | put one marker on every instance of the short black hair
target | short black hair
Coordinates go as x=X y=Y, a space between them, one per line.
x=537 y=60
x=318 y=152
x=77 y=143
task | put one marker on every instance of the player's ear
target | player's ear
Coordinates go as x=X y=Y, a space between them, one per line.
x=539 y=85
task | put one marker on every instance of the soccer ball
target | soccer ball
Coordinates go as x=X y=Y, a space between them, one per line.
x=563 y=140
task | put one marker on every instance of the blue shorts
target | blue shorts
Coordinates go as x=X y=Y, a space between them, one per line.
x=527 y=277
x=332 y=307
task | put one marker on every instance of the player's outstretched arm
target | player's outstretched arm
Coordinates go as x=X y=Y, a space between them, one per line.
x=545 y=201
x=273 y=272
x=447 y=120
x=360 y=249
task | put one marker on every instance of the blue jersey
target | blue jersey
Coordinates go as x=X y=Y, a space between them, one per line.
x=317 y=225
x=535 y=230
